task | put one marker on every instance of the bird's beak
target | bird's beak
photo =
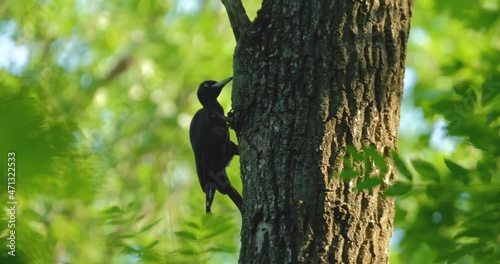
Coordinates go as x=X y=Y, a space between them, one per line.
x=222 y=83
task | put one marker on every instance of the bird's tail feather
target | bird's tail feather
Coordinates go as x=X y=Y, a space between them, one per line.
x=209 y=198
x=235 y=197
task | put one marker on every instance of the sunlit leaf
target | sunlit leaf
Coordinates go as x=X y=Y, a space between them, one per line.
x=399 y=188
x=368 y=183
x=378 y=159
x=348 y=174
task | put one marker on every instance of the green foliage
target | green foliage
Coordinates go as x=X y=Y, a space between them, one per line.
x=367 y=163
x=197 y=235
x=98 y=118
x=451 y=213
x=426 y=170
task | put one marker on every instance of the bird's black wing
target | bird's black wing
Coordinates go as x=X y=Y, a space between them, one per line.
x=224 y=150
x=199 y=135
x=209 y=136
x=217 y=149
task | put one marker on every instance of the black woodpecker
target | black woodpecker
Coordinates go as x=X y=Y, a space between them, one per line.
x=212 y=147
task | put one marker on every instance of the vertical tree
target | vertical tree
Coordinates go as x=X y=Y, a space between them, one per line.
x=316 y=98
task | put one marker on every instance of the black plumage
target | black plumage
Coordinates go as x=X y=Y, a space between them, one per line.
x=212 y=147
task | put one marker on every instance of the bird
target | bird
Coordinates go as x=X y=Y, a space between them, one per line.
x=211 y=144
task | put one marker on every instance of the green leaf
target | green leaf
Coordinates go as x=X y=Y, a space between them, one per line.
x=113 y=210
x=491 y=216
x=426 y=170
x=217 y=229
x=122 y=235
x=150 y=246
x=131 y=250
x=221 y=249
x=368 y=183
x=457 y=171
x=186 y=235
x=378 y=159
x=139 y=217
x=116 y=221
x=455 y=254
x=193 y=225
x=435 y=191
x=490 y=88
x=473 y=232
x=399 y=188
x=401 y=166
x=149 y=226
x=355 y=154
x=188 y=252
x=485 y=172
x=348 y=174
x=131 y=205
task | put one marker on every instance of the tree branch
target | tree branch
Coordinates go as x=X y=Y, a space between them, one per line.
x=237 y=17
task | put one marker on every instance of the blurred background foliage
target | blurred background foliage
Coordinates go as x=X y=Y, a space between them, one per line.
x=96 y=99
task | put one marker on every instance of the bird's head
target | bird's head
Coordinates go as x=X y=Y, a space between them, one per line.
x=210 y=90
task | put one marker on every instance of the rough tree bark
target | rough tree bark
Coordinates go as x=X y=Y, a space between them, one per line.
x=311 y=79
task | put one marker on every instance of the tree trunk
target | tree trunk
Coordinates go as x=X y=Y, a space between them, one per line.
x=313 y=79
